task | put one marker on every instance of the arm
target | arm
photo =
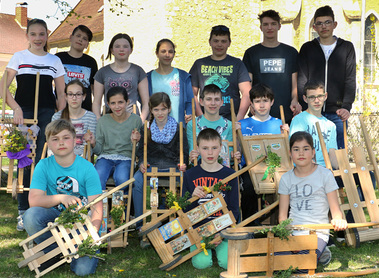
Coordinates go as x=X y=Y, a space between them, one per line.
x=37 y=198
x=97 y=96
x=143 y=90
x=337 y=221
x=244 y=87
x=195 y=94
x=59 y=87
x=333 y=158
x=18 y=116
x=303 y=73
x=295 y=106
x=97 y=212
x=350 y=80
x=284 y=204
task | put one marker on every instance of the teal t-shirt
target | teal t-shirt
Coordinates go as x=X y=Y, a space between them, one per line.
x=170 y=85
x=80 y=179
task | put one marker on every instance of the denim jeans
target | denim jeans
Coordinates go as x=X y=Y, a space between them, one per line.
x=339 y=125
x=119 y=168
x=36 y=219
x=44 y=118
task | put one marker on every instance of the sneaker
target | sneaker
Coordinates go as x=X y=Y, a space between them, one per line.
x=325 y=257
x=20 y=224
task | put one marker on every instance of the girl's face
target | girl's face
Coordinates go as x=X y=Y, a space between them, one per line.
x=37 y=37
x=166 y=54
x=302 y=153
x=118 y=105
x=74 y=96
x=160 y=113
x=121 y=49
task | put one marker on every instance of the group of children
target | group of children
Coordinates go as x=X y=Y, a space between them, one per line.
x=165 y=93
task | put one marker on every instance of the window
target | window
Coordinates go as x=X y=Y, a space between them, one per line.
x=369 y=62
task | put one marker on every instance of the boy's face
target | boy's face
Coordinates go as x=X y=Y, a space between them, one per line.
x=79 y=40
x=262 y=106
x=62 y=144
x=324 y=26
x=270 y=28
x=212 y=103
x=315 y=99
x=220 y=45
x=209 y=150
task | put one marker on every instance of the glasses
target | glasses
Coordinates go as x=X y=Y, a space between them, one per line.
x=326 y=23
x=220 y=28
x=319 y=97
x=74 y=95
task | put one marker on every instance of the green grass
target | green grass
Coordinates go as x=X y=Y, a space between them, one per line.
x=135 y=262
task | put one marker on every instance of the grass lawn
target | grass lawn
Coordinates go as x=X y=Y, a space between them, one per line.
x=135 y=262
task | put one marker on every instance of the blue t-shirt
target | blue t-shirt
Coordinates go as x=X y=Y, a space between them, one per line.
x=170 y=85
x=307 y=122
x=80 y=179
x=252 y=127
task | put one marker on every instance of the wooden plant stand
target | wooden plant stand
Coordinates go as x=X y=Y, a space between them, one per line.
x=16 y=186
x=164 y=238
x=67 y=239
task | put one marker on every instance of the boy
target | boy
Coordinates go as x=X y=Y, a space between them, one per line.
x=275 y=64
x=331 y=60
x=262 y=99
x=315 y=96
x=207 y=174
x=79 y=65
x=59 y=181
x=211 y=99
x=225 y=71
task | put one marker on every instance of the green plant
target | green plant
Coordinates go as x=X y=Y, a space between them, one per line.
x=181 y=201
x=117 y=213
x=207 y=242
x=272 y=161
x=221 y=187
x=70 y=216
x=281 y=230
x=285 y=273
x=14 y=140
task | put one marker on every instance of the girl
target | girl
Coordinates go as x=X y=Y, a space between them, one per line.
x=82 y=119
x=163 y=145
x=24 y=65
x=175 y=82
x=310 y=190
x=114 y=135
x=121 y=73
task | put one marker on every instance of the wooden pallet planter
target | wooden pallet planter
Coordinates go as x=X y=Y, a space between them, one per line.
x=249 y=255
x=15 y=186
x=165 y=239
x=67 y=239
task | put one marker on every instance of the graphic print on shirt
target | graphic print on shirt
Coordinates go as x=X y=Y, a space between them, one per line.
x=33 y=69
x=312 y=130
x=218 y=76
x=303 y=197
x=272 y=65
x=68 y=186
x=208 y=182
x=121 y=81
x=77 y=72
x=174 y=84
x=79 y=129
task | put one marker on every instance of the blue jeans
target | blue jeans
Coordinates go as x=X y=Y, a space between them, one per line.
x=119 y=168
x=44 y=118
x=339 y=125
x=36 y=219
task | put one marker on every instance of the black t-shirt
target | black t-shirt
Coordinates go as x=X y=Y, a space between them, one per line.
x=274 y=67
x=84 y=69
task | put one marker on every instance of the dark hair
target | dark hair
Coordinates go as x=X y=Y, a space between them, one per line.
x=220 y=30
x=323 y=11
x=117 y=90
x=40 y=22
x=57 y=126
x=313 y=85
x=116 y=37
x=84 y=29
x=155 y=100
x=271 y=14
x=300 y=136
x=261 y=90
x=210 y=89
x=208 y=134
x=162 y=41
x=66 y=112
